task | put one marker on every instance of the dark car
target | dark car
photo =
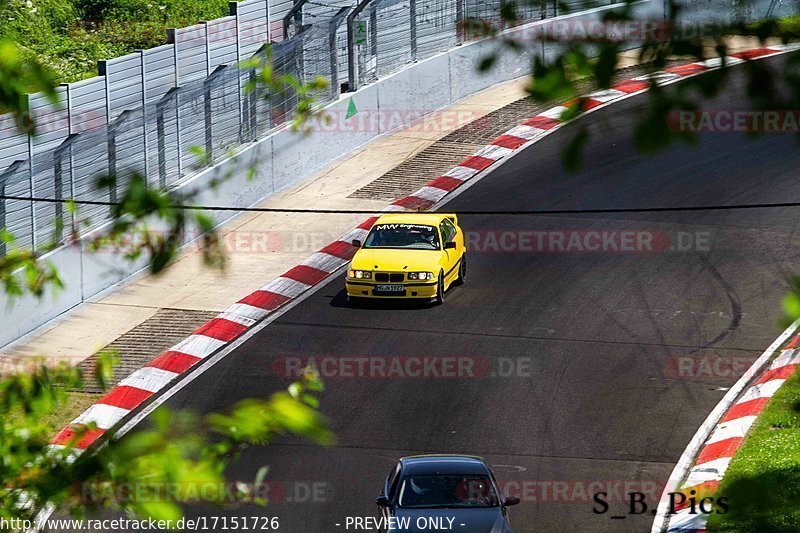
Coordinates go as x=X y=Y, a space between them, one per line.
x=444 y=492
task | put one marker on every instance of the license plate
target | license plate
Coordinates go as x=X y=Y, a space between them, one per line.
x=389 y=288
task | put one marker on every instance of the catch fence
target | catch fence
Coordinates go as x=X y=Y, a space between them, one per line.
x=167 y=112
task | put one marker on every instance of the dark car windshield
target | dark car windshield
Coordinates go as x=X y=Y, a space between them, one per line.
x=420 y=492
x=403 y=236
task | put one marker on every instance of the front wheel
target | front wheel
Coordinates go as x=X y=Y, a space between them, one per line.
x=462 y=271
x=439 y=298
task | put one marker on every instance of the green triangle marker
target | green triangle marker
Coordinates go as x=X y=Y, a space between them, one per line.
x=351 y=109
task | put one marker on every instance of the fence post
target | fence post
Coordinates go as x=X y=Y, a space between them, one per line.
x=102 y=70
x=332 y=27
x=244 y=129
x=161 y=136
x=145 y=143
x=268 y=12
x=300 y=63
x=294 y=14
x=208 y=48
x=461 y=21
x=31 y=181
x=172 y=38
x=373 y=36
x=4 y=177
x=352 y=59
x=111 y=139
x=58 y=185
x=352 y=62
x=111 y=143
x=413 y=16
x=58 y=192
x=207 y=115
x=207 y=85
x=72 y=132
x=252 y=105
x=233 y=8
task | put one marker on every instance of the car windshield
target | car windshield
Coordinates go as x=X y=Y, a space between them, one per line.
x=419 y=492
x=403 y=236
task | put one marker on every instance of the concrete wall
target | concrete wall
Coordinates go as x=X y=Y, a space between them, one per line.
x=286 y=157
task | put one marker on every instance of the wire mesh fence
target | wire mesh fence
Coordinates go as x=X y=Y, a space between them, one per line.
x=389 y=34
x=168 y=112
x=165 y=141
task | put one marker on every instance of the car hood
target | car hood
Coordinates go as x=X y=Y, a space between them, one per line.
x=396 y=260
x=489 y=520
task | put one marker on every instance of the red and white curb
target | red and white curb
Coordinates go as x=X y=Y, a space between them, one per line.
x=727 y=436
x=162 y=372
x=137 y=388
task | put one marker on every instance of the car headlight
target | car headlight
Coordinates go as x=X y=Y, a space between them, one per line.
x=420 y=275
x=360 y=274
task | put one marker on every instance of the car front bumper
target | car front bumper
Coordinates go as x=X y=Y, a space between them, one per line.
x=412 y=289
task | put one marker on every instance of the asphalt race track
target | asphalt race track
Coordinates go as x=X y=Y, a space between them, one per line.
x=593 y=338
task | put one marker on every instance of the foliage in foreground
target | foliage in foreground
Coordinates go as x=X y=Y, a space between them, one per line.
x=164 y=454
x=177 y=450
x=68 y=37
x=560 y=75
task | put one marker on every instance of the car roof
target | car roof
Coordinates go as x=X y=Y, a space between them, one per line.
x=443 y=464
x=430 y=219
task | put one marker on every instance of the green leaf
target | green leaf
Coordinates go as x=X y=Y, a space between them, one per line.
x=791 y=305
x=160 y=259
x=204 y=222
x=107 y=360
x=161 y=510
x=6 y=236
x=572 y=157
x=605 y=65
x=487 y=63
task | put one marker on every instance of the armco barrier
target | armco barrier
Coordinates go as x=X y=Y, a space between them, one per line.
x=285 y=157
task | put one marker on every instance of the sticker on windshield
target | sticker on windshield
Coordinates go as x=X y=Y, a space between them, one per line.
x=413 y=227
x=417 y=236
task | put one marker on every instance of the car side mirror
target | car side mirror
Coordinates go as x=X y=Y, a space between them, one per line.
x=511 y=500
x=356 y=243
x=450 y=245
x=382 y=501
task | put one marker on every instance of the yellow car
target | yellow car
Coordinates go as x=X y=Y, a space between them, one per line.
x=408 y=256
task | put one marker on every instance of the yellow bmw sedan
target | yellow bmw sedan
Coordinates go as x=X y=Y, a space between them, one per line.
x=405 y=255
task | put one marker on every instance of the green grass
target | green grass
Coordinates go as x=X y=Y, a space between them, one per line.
x=763 y=482
x=77 y=402
x=69 y=36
